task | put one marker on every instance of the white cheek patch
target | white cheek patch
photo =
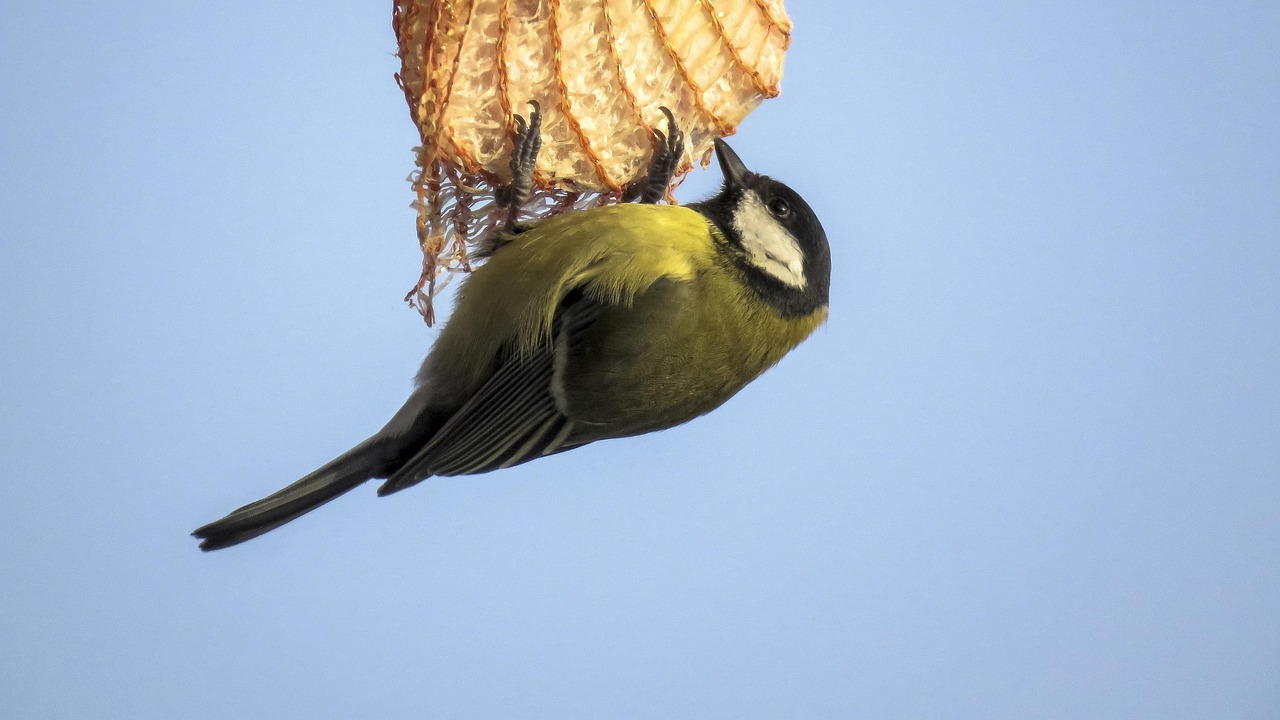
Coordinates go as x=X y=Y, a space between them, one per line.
x=768 y=244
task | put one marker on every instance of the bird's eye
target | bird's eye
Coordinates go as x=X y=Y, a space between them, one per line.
x=779 y=207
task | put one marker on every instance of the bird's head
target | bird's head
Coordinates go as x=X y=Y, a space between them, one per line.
x=772 y=235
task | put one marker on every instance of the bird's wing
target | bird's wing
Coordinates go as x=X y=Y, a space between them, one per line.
x=668 y=356
x=512 y=418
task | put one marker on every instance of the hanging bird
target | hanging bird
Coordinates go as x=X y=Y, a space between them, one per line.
x=594 y=324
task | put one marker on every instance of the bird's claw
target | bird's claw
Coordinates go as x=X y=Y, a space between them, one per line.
x=662 y=167
x=524 y=156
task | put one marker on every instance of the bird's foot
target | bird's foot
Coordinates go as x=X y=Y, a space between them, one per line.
x=528 y=141
x=662 y=168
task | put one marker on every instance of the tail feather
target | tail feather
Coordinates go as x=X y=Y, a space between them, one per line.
x=337 y=477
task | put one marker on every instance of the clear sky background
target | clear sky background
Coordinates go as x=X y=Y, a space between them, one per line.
x=1029 y=469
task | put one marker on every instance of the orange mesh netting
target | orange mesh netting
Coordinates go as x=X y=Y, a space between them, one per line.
x=600 y=69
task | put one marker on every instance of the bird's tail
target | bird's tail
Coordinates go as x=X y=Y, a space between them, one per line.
x=337 y=477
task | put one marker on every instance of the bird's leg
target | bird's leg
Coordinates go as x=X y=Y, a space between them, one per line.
x=524 y=155
x=662 y=168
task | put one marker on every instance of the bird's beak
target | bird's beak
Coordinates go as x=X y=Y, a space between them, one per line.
x=730 y=164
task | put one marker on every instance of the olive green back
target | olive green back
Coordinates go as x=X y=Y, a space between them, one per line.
x=682 y=332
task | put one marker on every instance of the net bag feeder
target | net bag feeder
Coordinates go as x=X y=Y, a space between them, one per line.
x=601 y=70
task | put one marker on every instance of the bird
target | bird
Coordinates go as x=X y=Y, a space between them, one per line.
x=594 y=324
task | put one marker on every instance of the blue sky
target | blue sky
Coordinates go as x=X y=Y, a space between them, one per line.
x=1028 y=469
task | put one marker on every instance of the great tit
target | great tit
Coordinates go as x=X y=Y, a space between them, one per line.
x=594 y=324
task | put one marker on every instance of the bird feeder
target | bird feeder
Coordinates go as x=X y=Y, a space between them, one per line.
x=600 y=70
